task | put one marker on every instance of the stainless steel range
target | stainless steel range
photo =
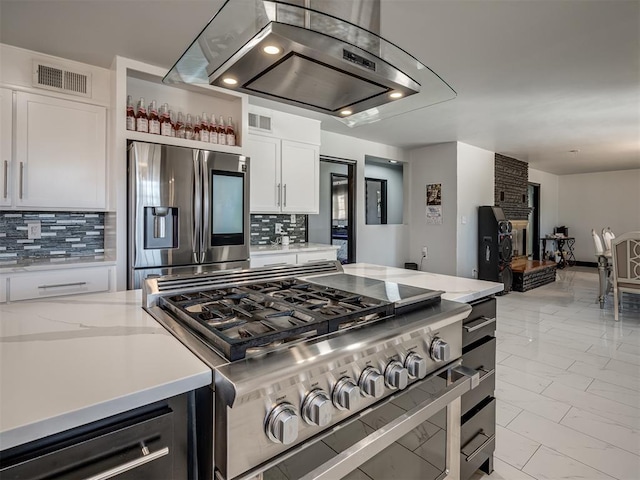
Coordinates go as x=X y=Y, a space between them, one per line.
x=307 y=363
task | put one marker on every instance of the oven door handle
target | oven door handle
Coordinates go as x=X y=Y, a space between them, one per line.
x=368 y=447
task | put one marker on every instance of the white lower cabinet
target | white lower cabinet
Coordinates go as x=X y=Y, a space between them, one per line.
x=275 y=259
x=52 y=283
x=319 y=256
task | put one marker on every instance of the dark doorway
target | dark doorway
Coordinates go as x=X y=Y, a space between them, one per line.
x=335 y=222
x=534 y=220
x=375 y=201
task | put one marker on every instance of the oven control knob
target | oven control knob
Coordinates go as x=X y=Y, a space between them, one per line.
x=317 y=408
x=282 y=424
x=346 y=394
x=371 y=382
x=440 y=350
x=396 y=376
x=416 y=365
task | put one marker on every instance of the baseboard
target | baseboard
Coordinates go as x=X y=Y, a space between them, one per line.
x=587 y=264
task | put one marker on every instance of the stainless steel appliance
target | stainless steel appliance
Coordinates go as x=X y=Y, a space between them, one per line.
x=319 y=373
x=188 y=211
x=330 y=60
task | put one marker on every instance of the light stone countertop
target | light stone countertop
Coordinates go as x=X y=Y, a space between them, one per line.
x=458 y=289
x=35 y=264
x=68 y=361
x=292 y=248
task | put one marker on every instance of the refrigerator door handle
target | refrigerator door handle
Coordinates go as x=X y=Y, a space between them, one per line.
x=206 y=206
x=196 y=188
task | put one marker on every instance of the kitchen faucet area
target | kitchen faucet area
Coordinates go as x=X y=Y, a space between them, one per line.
x=319 y=240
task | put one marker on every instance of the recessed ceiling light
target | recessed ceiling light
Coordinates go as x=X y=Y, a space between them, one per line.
x=230 y=81
x=393 y=161
x=271 y=50
x=396 y=95
x=346 y=112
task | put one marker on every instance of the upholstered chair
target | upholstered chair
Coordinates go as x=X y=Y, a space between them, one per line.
x=626 y=267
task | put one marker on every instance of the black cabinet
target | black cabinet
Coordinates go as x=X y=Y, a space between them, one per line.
x=478 y=406
x=145 y=443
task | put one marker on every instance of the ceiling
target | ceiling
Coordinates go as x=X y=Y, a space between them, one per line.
x=554 y=83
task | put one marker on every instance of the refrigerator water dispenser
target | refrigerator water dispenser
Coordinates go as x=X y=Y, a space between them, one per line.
x=160 y=227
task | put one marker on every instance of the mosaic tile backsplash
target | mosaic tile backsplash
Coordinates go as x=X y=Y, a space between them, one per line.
x=70 y=234
x=263 y=228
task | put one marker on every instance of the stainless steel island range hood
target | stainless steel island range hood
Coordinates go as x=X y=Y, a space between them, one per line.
x=309 y=58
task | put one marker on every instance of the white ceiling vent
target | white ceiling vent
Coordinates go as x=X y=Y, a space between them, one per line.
x=260 y=123
x=55 y=77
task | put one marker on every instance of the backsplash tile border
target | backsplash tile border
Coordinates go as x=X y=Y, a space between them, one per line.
x=263 y=228
x=63 y=234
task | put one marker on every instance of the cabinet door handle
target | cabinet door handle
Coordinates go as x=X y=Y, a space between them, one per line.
x=485 y=321
x=285 y=194
x=473 y=454
x=125 y=467
x=59 y=285
x=21 y=178
x=6 y=172
x=279 y=191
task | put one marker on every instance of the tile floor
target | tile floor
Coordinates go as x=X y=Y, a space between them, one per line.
x=568 y=384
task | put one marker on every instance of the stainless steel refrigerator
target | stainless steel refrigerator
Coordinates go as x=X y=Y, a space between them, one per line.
x=188 y=211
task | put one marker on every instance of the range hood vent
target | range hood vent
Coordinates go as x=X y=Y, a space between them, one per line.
x=293 y=54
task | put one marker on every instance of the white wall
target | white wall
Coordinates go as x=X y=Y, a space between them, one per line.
x=434 y=164
x=381 y=244
x=597 y=200
x=548 y=202
x=476 y=178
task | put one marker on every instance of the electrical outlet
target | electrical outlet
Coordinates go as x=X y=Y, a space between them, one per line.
x=424 y=251
x=293 y=218
x=474 y=273
x=279 y=229
x=34 y=230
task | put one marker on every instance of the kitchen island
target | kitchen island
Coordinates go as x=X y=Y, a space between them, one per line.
x=69 y=361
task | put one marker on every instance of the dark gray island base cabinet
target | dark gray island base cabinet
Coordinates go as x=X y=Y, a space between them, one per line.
x=150 y=442
x=478 y=410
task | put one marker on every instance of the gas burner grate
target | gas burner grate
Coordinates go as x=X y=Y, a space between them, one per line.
x=254 y=317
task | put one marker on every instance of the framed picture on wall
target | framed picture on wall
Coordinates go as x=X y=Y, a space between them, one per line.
x=434 y=203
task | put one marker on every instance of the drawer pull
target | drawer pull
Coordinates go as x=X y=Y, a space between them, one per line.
x=485 y=321
x=473 y=454
x=125 y=467
x=60 y=285
x=318 y=260
x=275 y=264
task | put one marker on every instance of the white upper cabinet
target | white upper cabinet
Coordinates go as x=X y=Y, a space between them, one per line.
x=284 y=175
x=60 y=153
x=285 y=163
x=264 y=173
x=300 y=177
x=6 y=153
